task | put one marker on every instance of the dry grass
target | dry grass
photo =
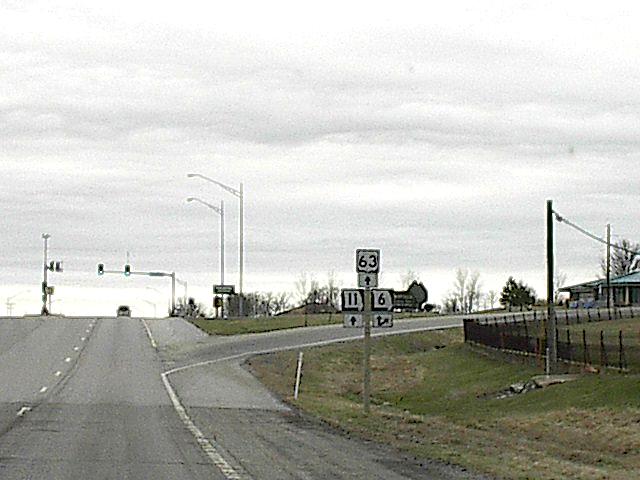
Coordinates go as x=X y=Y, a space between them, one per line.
x=433 y=403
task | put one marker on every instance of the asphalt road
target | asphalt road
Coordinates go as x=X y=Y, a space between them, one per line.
x=116 y=398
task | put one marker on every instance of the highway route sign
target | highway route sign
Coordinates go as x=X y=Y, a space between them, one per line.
x=353 y=320
x=368 y=280
x=367 y=260
x=381 y=300
x=382 y=320
x=352 y=300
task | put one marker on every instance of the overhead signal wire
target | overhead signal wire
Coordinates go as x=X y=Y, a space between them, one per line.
x=561 y=219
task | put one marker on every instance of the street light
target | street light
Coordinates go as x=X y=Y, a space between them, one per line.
x=240 y=195
x=219 y=211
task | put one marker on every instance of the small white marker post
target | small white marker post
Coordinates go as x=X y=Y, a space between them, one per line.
x=296 y=389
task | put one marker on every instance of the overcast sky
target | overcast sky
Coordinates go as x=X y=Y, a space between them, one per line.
x=433 y=133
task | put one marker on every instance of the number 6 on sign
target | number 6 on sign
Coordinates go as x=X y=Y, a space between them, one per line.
x=381 y=300
x=367 y=261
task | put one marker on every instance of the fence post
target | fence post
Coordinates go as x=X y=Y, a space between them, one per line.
x=598 y=313
x=585 y=353
x=603 y=352
x=578 y=314
x=589 y=315
x=621 y=362
x=569 y=344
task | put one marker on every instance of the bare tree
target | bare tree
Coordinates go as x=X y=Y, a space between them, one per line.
x=473 y=292
x=333 y=289
x=281 y=302
x=559 y=279
x=625 y=258
x=408 y=278
x=460 y=287
x=492 y=298
x=301 y=286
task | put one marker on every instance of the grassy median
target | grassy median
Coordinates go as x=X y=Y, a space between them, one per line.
x=264 y=324
x=435 y=397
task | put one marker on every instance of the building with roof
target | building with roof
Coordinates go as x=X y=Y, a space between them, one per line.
x=625 y=291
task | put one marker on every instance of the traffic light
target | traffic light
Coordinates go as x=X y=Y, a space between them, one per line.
x=59 y=267
x=127 y=270
x=52 y=265
x=101 y=269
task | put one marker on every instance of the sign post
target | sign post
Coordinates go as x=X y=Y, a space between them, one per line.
x=368 y=267
x=368 y=307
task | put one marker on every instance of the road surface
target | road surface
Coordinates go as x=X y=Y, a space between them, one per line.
x=115 y=398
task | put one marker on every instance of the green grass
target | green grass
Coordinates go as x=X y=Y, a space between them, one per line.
x=264 y=324
x=630 y=329
x=441 y=403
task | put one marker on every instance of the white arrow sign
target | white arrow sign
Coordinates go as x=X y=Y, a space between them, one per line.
x=353 y=320
x=382 y=320
x=368 y=280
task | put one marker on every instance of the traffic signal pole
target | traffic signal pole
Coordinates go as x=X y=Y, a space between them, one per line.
x=102 y=271
x=45 y=310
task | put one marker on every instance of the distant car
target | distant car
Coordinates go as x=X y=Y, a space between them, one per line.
x=124 y=311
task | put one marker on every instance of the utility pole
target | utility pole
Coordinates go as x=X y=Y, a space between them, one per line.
x=608 y=266
x=552 y=346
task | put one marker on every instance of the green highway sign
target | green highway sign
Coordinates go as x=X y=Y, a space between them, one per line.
x=224 y=289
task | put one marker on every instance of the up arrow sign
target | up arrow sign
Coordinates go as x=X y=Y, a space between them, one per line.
x=367 y=280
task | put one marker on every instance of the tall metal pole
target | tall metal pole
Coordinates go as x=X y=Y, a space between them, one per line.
x=222 y=254
x=45 y=311
x=221 y=242
x=241 y=266
x=551 y=323
x=608 y=265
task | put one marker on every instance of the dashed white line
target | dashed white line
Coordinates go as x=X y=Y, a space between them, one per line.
x=82 y=339
x=68 y=359
x=58 y=373
x=44 y=389
x=75 y=349
x=22 y=411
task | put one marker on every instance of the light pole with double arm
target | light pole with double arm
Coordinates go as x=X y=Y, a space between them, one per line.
x=239 y=193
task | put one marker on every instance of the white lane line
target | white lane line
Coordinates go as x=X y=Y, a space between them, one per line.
x=75 y=349
x=151 y=339
x=207 y=446
x=87 y=330
x=58 y=373
x=68 y=359
x=22 y=411
x=82 y=339
x=44 y=389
